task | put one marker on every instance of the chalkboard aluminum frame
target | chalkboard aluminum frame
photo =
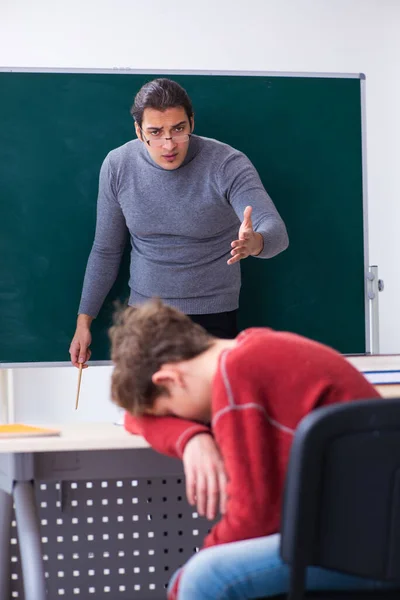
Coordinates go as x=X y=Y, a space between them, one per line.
x=368 y=302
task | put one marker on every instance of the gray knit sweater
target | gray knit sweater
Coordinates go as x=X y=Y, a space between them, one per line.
x=180 y=224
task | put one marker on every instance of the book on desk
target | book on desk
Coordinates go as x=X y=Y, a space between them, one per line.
x=18 y=430
x=379 y=369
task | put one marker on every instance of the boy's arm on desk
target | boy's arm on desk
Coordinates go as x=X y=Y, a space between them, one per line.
x=167 y=435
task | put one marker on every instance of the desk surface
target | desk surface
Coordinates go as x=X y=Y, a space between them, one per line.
x=389 y=390
x=77 y=436
x=103 y=436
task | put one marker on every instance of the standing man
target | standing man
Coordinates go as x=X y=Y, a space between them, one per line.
x=192 y=208
x=181 y=199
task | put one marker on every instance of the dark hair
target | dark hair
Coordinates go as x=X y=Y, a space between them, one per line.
x=143 y=338
x=160 y=94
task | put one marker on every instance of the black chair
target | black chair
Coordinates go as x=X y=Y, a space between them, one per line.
x=341 y=506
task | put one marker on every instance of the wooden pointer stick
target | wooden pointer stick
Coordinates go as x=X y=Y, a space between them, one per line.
x=79 y=385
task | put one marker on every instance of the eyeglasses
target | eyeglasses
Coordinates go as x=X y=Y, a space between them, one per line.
x=181 y=138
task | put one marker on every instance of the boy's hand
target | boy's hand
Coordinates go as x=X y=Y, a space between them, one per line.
x=205 y=475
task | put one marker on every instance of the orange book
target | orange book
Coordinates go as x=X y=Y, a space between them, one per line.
x=16 y=430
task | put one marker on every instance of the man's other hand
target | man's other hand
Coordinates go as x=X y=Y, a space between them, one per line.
x=205 y=475
x=79 y=349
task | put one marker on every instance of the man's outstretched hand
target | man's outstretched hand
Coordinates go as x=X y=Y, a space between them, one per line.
x=250 y=243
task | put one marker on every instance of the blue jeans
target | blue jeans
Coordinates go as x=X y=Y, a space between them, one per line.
x=253 y=569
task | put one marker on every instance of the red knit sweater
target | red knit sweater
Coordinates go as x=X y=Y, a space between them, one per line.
x=263 y=387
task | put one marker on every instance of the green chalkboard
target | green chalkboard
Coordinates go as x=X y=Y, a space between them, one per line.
x=304 y=136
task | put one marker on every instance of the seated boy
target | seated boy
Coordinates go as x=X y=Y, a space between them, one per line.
x=249 y=393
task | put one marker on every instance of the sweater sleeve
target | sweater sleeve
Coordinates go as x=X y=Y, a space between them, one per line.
x=108 y=246
x=240 y=183
x=167 y=435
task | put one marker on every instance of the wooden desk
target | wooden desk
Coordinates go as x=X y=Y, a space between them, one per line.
x=82 y=452
x=389 y=390
x=80 y=436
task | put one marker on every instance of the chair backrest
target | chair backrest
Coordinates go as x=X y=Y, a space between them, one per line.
x=342 y=497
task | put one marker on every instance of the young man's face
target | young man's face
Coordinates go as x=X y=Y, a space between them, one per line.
x=173 y=124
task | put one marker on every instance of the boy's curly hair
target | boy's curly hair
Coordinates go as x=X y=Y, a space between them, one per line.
x=143 y=338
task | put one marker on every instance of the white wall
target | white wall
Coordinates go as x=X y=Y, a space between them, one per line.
x=49 y=395
x=269 y=35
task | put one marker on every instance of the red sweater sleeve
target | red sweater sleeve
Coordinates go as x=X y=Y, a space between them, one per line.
x=167 y=435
